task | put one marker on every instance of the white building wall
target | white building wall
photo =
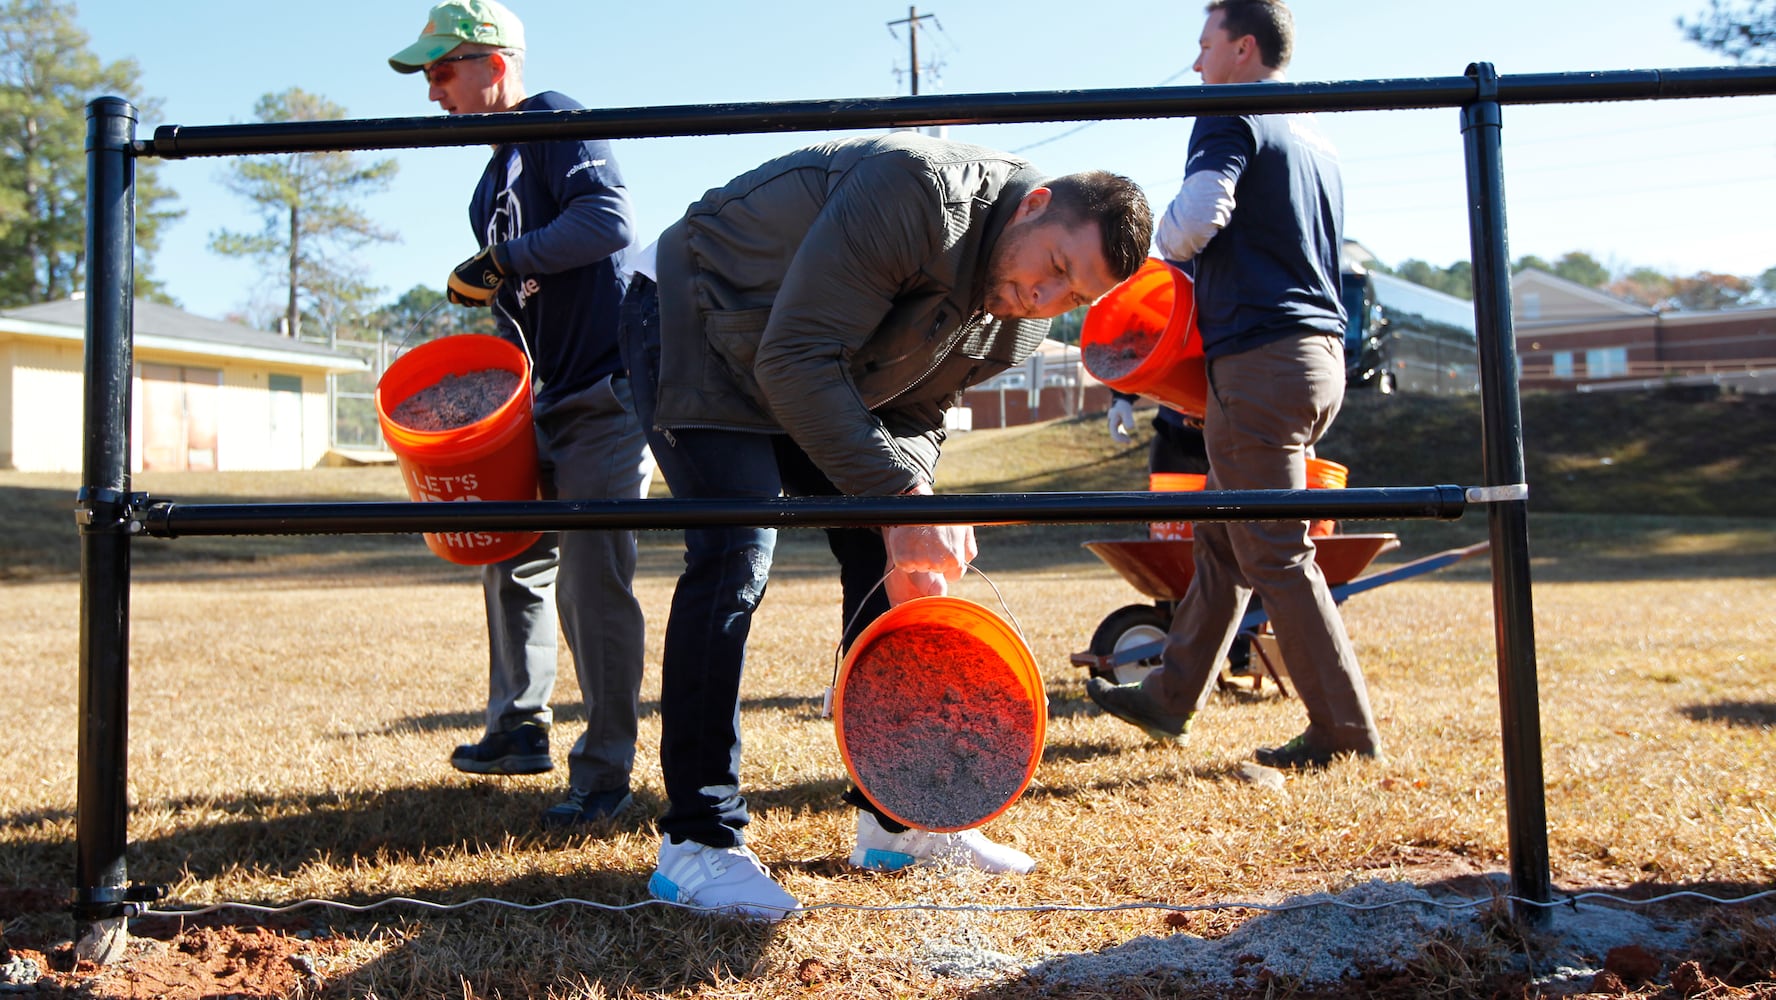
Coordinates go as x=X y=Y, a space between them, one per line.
x=6 y=419
x=317 y=421
x=42 y=407
x=244 y=437
x=245 y=433
x=46 y=405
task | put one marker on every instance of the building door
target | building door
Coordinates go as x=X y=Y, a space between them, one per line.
x=179 y=417
x=286 y=423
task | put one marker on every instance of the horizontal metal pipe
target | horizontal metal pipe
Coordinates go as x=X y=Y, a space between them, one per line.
x=177 y=141
x=168 y=519
x=1637 y=84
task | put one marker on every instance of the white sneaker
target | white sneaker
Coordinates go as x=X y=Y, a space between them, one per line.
x=884 y=851
x=730 y=879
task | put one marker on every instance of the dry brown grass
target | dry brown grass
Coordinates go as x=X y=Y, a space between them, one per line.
x=291 y=717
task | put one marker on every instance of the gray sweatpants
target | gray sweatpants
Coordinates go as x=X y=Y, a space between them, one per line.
x=1266 y=409
x=590 y=447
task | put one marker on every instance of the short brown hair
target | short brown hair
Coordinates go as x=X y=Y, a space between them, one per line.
x=1268 y=21
x=1116 y=204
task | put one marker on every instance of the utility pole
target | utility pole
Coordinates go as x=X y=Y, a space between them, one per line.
x=912 y=22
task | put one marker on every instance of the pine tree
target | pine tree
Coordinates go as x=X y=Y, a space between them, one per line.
x=1744 y=32
x=312 y=223
x=47 y=76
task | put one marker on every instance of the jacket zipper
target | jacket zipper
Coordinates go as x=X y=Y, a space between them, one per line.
x=942 y=356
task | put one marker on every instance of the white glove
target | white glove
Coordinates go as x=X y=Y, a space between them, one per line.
x=1122 y=420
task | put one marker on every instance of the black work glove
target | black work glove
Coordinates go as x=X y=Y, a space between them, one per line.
x=475 y=280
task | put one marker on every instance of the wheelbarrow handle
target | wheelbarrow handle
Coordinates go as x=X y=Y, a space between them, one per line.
x=1405 y=571
x=1257 y=617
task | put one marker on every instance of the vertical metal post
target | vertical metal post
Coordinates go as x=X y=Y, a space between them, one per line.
x=101 y=824
x=1526 y=811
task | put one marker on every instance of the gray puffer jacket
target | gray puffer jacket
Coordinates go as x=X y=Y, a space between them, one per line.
x=835 y=294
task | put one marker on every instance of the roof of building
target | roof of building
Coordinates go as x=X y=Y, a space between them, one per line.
x=166 y=327
x=1573 y=302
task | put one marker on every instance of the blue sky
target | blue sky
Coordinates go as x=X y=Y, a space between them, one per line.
x=1681 y=186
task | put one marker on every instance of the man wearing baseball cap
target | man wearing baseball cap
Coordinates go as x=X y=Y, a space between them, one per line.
x=482 y=23
x=551 y=220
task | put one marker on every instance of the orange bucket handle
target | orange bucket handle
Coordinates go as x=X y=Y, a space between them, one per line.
x=826 y=703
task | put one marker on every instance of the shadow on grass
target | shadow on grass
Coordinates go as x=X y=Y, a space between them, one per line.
x=1073 y=751
x=1485 y=947
x=1596 y=548
x=488 y=949
x=280 y=836
x=274 y=835
x=570 y=716
x=42 y=541
x=1564 y=548
x=1748 y=714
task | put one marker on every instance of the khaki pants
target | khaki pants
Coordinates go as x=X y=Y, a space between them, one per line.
x=1266 y=409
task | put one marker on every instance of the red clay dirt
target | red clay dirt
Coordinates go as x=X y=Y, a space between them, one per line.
x=194 y=962
x=456 y=400
x=1116 y=357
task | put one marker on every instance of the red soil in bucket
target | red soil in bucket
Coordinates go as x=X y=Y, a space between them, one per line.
x=938 y=725
x=1117 y=357
x=456 y=400
x=456 y=412
x=1142 y=339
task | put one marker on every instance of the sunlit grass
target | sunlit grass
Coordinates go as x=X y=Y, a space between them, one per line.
x=291 y=719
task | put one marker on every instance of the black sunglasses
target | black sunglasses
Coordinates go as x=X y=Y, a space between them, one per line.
x=441 y=72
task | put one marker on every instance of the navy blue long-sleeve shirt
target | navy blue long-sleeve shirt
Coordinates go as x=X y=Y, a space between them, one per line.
x=1273 y=268
x=563 y=214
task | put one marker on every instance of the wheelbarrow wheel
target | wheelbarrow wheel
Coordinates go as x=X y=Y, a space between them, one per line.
x=1125 y=628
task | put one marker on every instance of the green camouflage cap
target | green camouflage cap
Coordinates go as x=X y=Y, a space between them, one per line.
x=451 y=24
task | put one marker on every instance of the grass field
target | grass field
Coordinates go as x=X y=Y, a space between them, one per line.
x=294 y=702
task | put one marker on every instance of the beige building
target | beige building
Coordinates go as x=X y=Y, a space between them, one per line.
x=204 y=395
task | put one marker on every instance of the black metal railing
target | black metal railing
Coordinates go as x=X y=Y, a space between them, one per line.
x=109 y=515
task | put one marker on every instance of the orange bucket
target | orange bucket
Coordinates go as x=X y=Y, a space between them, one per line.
x=1325 y=475
x=494 y=458
x=1173 y=482
x=940 y=713
x=1142 y=339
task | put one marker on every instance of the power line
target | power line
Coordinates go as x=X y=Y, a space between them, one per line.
x=1081 y=128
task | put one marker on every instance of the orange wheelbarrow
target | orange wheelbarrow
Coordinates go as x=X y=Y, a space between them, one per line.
x=1128 y=642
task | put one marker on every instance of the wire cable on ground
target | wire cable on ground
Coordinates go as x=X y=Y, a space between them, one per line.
x=1571 y=900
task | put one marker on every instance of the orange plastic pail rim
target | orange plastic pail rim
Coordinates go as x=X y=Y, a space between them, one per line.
x=1142 y=338
x=424 y=366
x=493 y=458
x=1174 y=482
x=1324 y=474
x=940 y=714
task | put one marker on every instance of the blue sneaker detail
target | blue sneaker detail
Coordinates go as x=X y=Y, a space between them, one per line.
x=729 y=880
x=662 y=888
x=885 y=861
